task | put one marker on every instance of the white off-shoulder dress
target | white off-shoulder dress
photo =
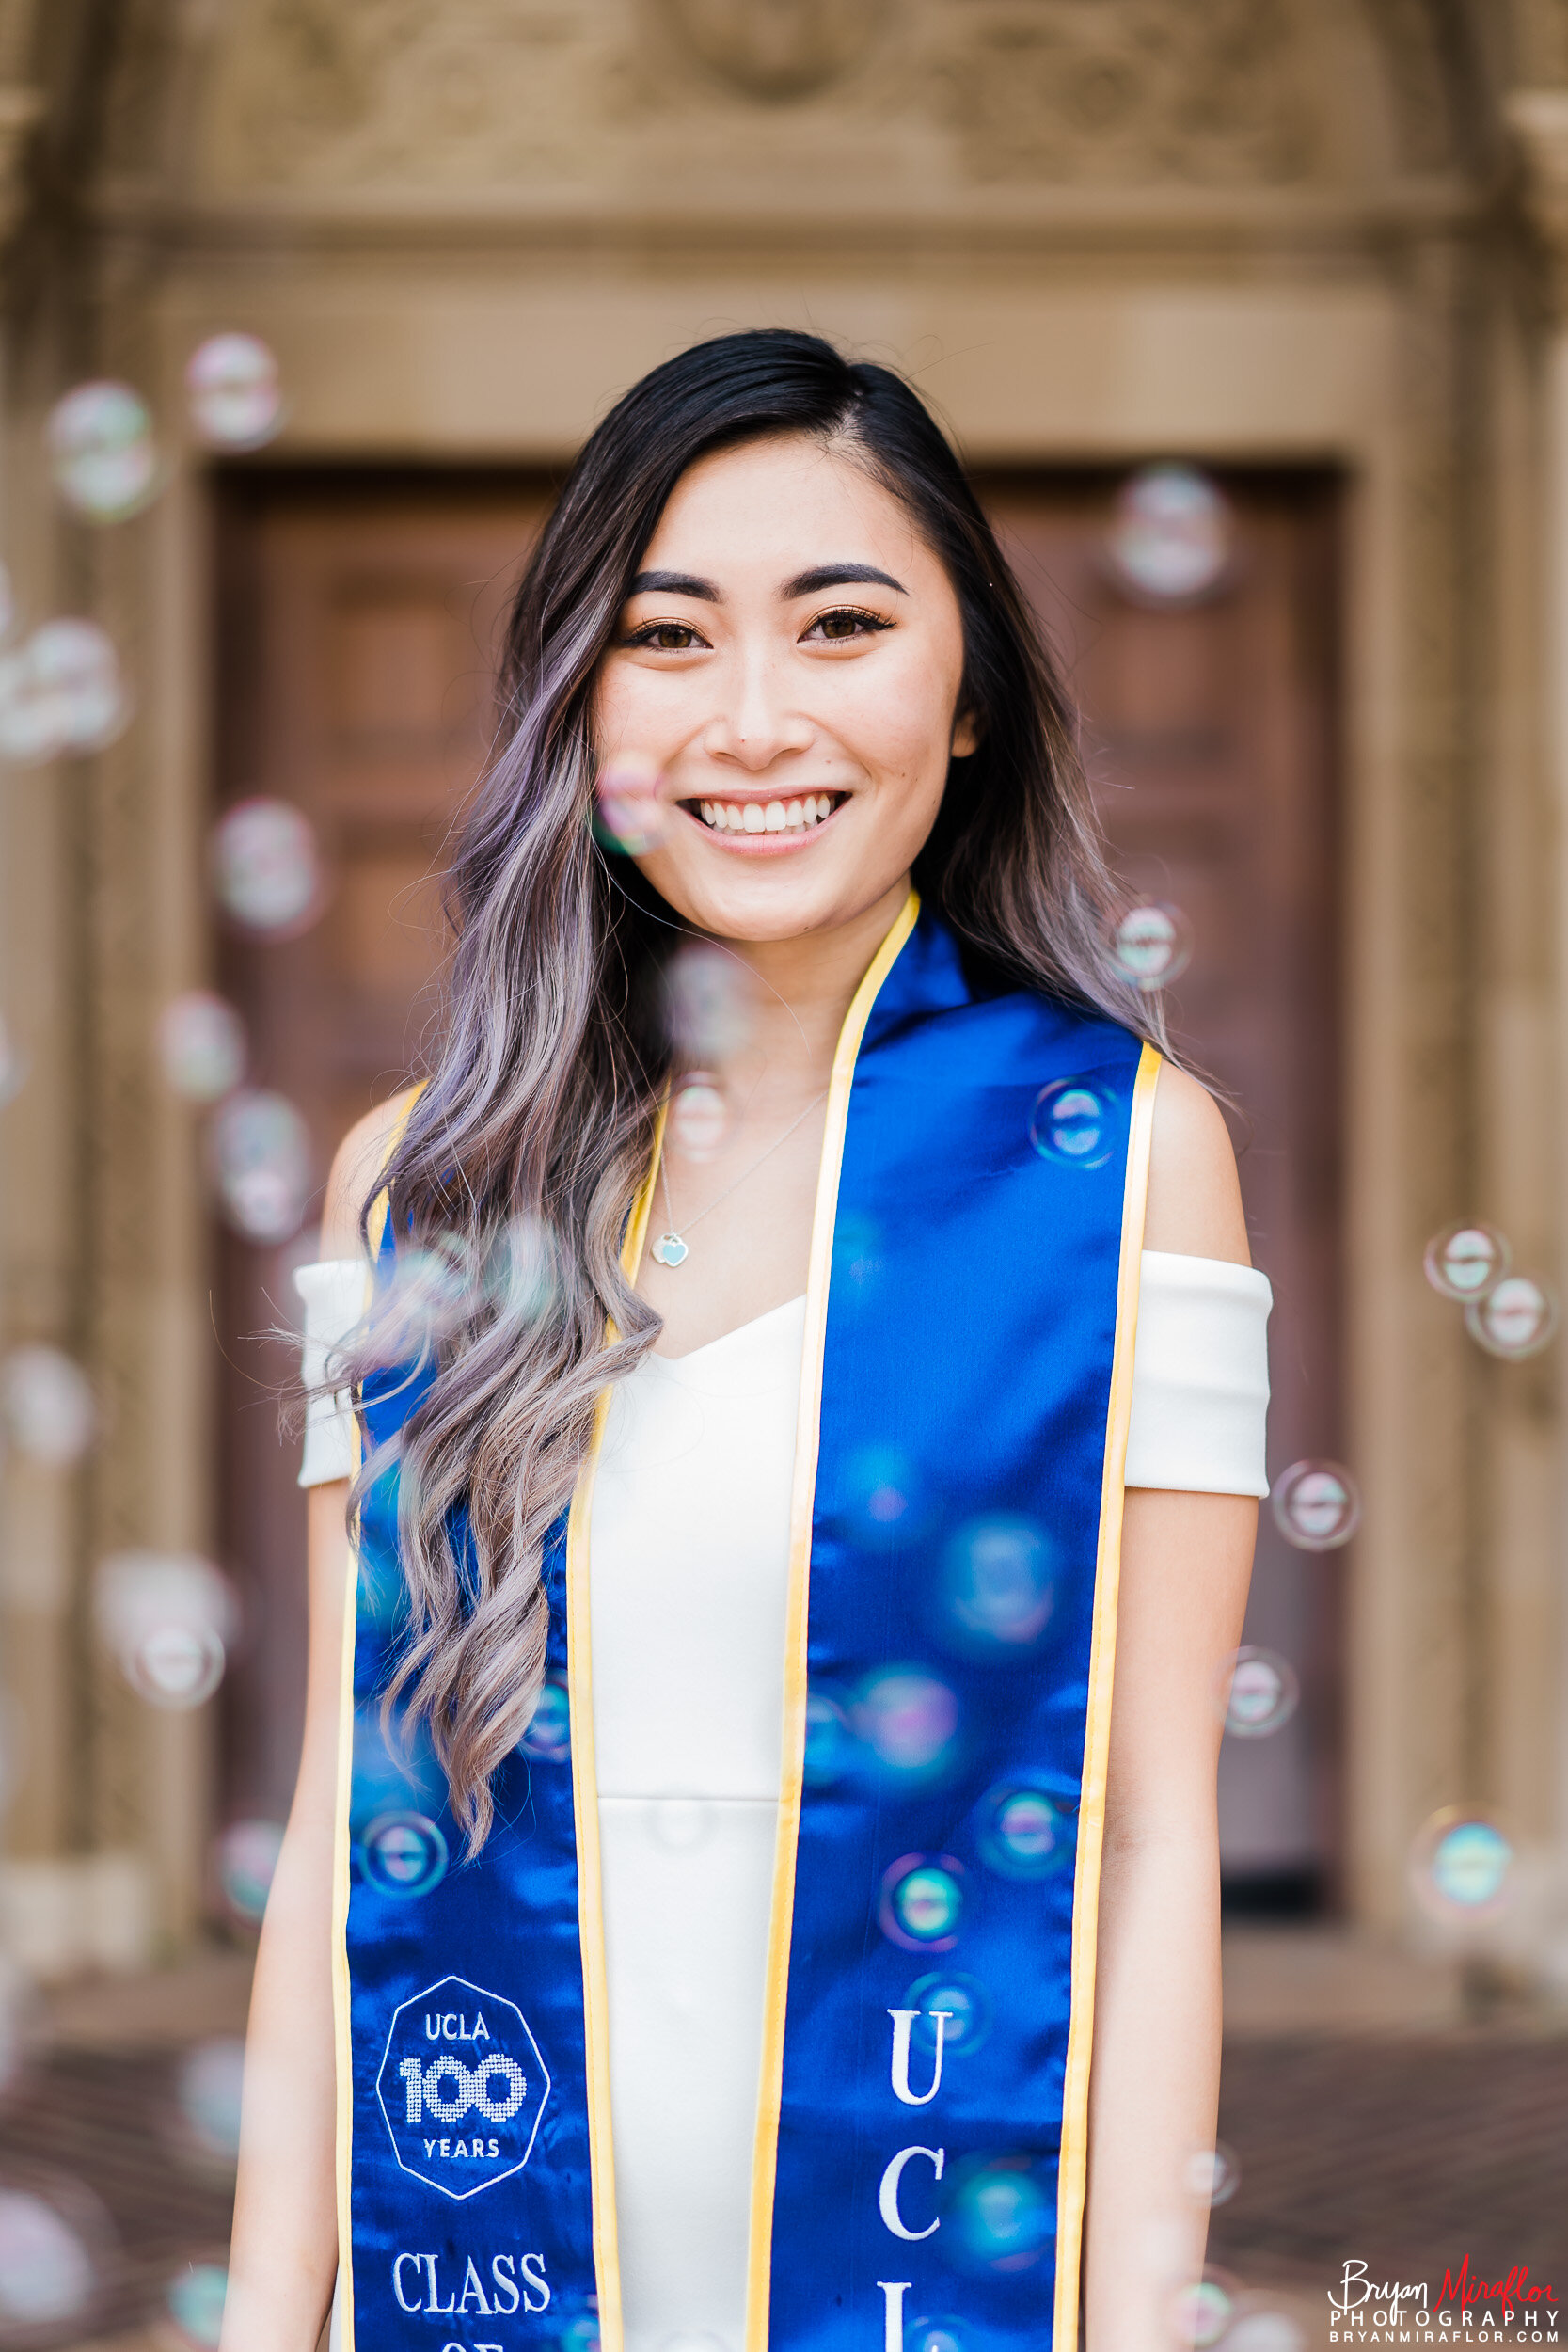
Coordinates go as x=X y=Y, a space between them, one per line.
x=688 y=1576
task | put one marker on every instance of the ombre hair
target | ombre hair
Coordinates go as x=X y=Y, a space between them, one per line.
x=539 y=1113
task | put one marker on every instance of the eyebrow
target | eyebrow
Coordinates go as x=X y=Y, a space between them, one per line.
x=803 y=584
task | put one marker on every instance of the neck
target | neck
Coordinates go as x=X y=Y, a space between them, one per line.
x=805 y=986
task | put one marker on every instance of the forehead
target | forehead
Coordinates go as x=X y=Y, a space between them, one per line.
x=779 y=506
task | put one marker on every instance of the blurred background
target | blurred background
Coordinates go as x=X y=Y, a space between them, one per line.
x=1251 y=318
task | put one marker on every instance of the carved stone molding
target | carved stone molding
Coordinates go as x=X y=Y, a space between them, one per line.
x=777 y=48
x=1538 y=120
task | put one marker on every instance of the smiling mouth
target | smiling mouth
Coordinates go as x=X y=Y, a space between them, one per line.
x=799 y=816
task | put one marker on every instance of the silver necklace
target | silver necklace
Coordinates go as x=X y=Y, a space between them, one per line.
x=671 y=1248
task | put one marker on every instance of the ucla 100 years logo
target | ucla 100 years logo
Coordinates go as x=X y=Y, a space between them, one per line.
x=462 y=2087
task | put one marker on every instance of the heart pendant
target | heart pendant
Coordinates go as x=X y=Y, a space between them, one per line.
x=670 y=1250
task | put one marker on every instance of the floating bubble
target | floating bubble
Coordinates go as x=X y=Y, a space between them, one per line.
x=102 y=451
x=1515 y=1319
x=858 y=1243
x=707 y=1004
x=1170 y=538
x=1202 y=2312
x=548 y=1735
x=1075 y=1123
x=935 y=2335
x=1211 y=2175
x=209 y=2089
x=201 y=1044
x=967 y=2006
x=1152 y=944
x=47 y=2274
x=169 y=1618
x=830 y=1745
x=521 y=1272
x=631 y=815
x=194 y=2302
x=427 y=1297
x=1025 y=1832
x=259 y=1148
x=266 y=868
x=580 y=2334
x=921 y=1902
x=699 y=1116
x=1464 y=1260
x=1258 y=1692
x=1462 y=1865
x=880 y=1481
x=1000 y=2214
x=909 y=1720
x=245 y=1857
x=234 y=398
x=60 y=693
x=1317 y=1505
x=997 y=1587
x=48 y=1404
x=404 y=1853
x=1264 y=2332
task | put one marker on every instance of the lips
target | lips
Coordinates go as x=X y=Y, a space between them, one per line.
x=796 y=817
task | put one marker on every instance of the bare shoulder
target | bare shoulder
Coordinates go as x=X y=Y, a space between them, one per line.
x=1194 y=1198
x=361 y=1155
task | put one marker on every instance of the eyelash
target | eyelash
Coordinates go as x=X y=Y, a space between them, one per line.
x=645 y=636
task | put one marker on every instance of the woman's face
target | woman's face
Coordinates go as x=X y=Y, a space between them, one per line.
x=789 y=661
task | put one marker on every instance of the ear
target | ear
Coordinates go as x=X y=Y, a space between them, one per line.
x=967 y=732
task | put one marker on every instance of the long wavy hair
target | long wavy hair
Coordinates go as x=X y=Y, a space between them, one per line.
x=538 y=1116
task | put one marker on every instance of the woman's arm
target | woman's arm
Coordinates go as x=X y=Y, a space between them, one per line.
x=1185 y=1563
x=283 y=2261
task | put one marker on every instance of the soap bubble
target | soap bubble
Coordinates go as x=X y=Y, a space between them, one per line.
x=169 y=1618
x=404 y=1853
x=102 y=451
x=1201 y=2312
x=707 y=996
x=48 y=1404
x=60 y=693
x=1258 y=1692
x=259 y=1148
x=1515 y=1319
x=245 y=1857
x=1075 y=1123
x=968 y=2007
x=1025 y=1832
x=830 y=1745
x=266 y=868
x=1212 y=2176
x=881 y=1488
x=548 y=1735
x=521 y=1270
x=699 y=1116
x=580 y=2334
x=997 y=1587
x=922 y=1900
x=201 y=1045
x=1000 y=2214
x=234 y=398
x=935 y=2335
x=1317 y=1505
x=1464 y=1260
x=631 y=814
x=427 y=1297
x=1170 y=537
x=909 y=1720
x=209 y=2089
x=1462 y=1865
x=194 y=2302
x=47 y=2266
x=1152 y=944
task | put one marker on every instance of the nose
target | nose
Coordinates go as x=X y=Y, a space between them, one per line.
x=756 y=721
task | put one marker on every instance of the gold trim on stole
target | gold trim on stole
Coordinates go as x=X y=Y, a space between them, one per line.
x=803 y=1507
x=1072 y=2172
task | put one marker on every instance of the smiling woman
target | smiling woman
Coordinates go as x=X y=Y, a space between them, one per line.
x=719 y=1722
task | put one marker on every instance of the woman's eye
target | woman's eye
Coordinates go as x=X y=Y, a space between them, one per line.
x=836 y=628
x=667 y=637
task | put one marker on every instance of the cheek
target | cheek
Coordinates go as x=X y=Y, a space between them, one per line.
x=898 y=716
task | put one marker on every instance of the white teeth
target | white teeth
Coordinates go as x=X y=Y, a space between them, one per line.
x=770 y=817
x=752 y=818
x=773 y=816
x=708 y=817
x=792 y=815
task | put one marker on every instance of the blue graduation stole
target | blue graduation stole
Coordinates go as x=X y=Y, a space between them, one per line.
x=920 y=2155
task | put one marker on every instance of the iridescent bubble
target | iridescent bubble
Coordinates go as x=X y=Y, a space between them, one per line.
x=1025 y=1832
x=194 y=2302
x=997 y=1587
x=631 y=815
x=881 y=1487
x=234 y=398
x=967 y=2007
x=1152 y=944
x=428 y=1297
x=209 y=2088
x=1317 y=1505
x=580 y=2334
x=935 y=2335
x=259 y=1148
x=102 y=451
x=245 y=1857
x=266 y=868
x=392 y=1782
x=1170 y=535
x=699 y=1116
x=830 y=1746
x=201 y=1044
x=48 y=1404
x=1201 y=2312
x=46 y=2267
x=908 y=1719
x=1515 y=1319
x=169 y=1618
x=921 y=1902
x=521 y=1270
x=1000 y=2214
x=61 y=693
x=858 y=1243
x=1462 y=1864
x=707 y=1004
x=1258 y=1692
x=1464 y=1260
x=548 y=1735
x=1212 y=2176
x=404 y=1853
x=1074 y=1121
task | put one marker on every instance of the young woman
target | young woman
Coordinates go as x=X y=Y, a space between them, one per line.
x=811 y=1344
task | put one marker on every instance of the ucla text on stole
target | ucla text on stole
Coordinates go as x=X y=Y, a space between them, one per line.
x=520 y=2282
